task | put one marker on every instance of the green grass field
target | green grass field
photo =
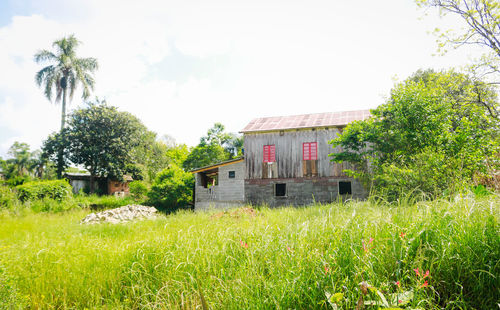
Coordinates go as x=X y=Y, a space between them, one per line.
x=268 y=259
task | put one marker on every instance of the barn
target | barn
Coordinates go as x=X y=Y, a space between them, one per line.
x=286 y=162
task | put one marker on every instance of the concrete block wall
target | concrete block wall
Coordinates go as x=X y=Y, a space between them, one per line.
x=229 y=192
x=232 y=189
x=299 y=191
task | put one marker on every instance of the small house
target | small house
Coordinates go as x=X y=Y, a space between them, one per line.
x=81 y=182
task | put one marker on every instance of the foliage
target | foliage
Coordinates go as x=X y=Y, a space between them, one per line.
x=51 y=150
x=482 y=28
x=101 y=138
x=21 y=157
x=178 y=154
x=431 y=136
x=172 y=189
x=231 y=142
x=215 y=147
x=138 y=190
x=204 y=155
x=286 y=258
x=56 y=189
x=8 y=197
x=65 y=73
x=149 y=157
x=24 y=164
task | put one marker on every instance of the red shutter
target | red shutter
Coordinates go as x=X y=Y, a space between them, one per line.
x=306 y=152
x=313 y=150
x=310 y=150
x=269 y=154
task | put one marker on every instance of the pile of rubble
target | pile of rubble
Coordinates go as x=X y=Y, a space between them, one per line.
x=122 y=214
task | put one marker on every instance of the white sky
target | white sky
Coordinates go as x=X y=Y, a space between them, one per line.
x=181 y=66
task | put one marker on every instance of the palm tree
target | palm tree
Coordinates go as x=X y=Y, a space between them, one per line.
x=65 y=74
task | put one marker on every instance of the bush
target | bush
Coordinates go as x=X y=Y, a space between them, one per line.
x=172 y=189
x=56 y=189
x=138 y=190
x=8 y=198
x=429 y=174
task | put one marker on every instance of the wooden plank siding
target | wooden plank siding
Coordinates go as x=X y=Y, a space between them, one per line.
x=289 y=157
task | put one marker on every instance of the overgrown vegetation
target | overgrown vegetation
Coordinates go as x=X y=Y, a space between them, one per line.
x=58 y=190
x=172 y=189
x=434 y=137
x=53 y=197
x=429 y=255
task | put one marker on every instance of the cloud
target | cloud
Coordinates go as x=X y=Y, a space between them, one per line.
x=222 y=61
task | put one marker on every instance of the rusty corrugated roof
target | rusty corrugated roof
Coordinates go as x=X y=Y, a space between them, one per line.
x=305 y=121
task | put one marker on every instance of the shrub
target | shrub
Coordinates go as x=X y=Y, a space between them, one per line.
x=55 y=189
x=138 y=190
x=172 y=189
x=7 y=197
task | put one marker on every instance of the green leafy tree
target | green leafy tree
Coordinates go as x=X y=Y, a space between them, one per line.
x=101 y=138
x=431 y=136
x=149 y=158
x=481 y=20
x=205 y=155
x=178 y=154
x=215 y=146
x=22 y=158
x=172 y=189
x=23 y=164
x=62 y=77
x=50 y=150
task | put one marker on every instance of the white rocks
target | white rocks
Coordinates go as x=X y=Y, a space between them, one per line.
x=122 y=214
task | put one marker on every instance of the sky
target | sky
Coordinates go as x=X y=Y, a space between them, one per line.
x=181 y=66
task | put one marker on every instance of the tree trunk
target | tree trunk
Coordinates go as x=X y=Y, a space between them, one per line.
x=60 y=155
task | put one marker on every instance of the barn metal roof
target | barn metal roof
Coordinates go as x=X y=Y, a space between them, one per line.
x=305 y=121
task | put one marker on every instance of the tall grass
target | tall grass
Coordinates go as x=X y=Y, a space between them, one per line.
x=273 y=258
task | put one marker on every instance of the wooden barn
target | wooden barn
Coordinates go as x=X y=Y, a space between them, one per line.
x=286 y=162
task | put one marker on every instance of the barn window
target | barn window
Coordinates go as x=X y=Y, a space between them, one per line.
x=310 y=150
x=232 y=174
x=280 y=190
x=345 y=188
x=269 y=153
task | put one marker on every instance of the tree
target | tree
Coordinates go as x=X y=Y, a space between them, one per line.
x=482 y=28
x=101 y=138
x=65 y=73
x=21 y=157
x=205 y=155
x=432 y=135
x=215 y=146
x=172 y=189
